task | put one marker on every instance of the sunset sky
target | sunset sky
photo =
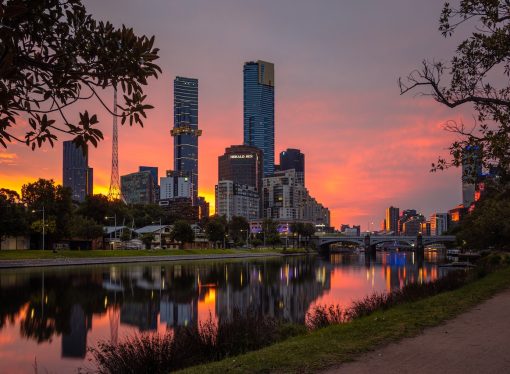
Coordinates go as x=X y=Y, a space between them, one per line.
x=336 y=69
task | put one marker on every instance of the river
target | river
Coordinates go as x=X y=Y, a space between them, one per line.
x=48 y=317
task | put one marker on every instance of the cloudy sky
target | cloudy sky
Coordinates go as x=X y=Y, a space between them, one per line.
x=336 y=70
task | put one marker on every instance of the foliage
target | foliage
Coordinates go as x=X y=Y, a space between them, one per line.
x=12 y=214
x=147 y=240
x=238 y=229
x=57 y=204
x=216 y=229
x=190 y=345
x=488 y=225
x=53 y=55
x=50 y=226
x=182 y=232
x=84 y=228
x=270 y=232
x=478 y=74
x=146 y=214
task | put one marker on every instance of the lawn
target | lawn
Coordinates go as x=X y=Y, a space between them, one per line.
x=333 y=345
x=48 y=254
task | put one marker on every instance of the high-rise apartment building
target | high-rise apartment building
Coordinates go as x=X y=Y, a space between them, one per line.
x=293 y=159
x=392 y=215
x=138 y=188
x=258 y=113
x=175 y=184
x=185 y=130
x=285 y=199
x=76 y=173
x=233 y=199
x=438 y=223
x=242 y=164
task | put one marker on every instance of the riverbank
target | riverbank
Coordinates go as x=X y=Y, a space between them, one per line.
x=331 y=346
x=20 y=259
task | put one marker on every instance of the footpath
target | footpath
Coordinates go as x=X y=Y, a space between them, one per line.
x=5 y=264
x=475 y=342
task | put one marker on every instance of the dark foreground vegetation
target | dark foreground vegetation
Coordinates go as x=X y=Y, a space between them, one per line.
x=249 y=331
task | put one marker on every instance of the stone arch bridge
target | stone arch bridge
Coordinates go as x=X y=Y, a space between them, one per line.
x=369 y=242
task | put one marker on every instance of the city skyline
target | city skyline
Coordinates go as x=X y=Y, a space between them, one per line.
x=359 y=160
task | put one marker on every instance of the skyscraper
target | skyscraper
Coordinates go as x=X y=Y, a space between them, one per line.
x=392 y=215
x=138 y=188
x=77 y=175
x=242 y=164
x=185 y=130
x=259 y=109
x=293 y=159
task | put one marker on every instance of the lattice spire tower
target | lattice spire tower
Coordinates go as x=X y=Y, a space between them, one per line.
x=114 y=193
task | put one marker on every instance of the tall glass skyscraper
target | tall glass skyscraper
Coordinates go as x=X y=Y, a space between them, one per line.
x=76 y=173
x=185 y=130
x=259 y=110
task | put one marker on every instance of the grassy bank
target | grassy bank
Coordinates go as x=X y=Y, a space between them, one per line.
x=48 y=254
x=335 y=344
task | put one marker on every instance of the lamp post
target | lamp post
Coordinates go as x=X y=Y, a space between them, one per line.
x=43 y=224
x=115 y=223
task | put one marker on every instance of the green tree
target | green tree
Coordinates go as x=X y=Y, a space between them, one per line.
x=182 y=232
x=216 y=229
x=308 y=232
x=53 y=55
x=57 y=204
x=270 y=232
x=147 y=240
x=13 y=220
x=489 y=223
x=238 y=229
x=476 y=75
x=297 y=229
x=84 y=228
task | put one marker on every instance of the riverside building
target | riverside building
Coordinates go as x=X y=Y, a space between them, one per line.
x=234 y=199
x=293 y=159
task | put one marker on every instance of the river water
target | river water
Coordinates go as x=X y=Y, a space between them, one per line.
x=48 y=317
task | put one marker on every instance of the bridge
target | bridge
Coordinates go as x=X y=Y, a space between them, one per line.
x=370 y=242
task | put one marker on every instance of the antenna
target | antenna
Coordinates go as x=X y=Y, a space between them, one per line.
x=114 y=193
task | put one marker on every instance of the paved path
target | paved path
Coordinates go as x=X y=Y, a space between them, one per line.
x=4 y=264
x=475 y=342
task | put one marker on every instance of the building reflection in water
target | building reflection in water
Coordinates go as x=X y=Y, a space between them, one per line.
x=147 y=298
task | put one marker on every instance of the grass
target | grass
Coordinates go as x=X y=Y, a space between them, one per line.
x=332 y=345
x=48 y=254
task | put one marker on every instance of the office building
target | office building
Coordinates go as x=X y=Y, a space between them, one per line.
x=425 y=228
x=471 y=173
x=185 y=130
x=138 y=188
x=413 y=226
x=203 y=206
x=258 y=113
x=438 y=224
x=155 y=178
x=234 y=199
x=285 y=199
x=242 y=164
x=392 y=216
x=175 y=184
x=77 y=175
x=293 y=159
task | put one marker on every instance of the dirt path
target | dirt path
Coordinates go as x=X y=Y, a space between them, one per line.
x=475 y=342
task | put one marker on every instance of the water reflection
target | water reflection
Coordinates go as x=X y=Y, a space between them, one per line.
x=76 y=307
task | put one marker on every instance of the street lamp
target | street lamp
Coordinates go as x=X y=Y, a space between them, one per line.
x=115 y=223
x=43 y=224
